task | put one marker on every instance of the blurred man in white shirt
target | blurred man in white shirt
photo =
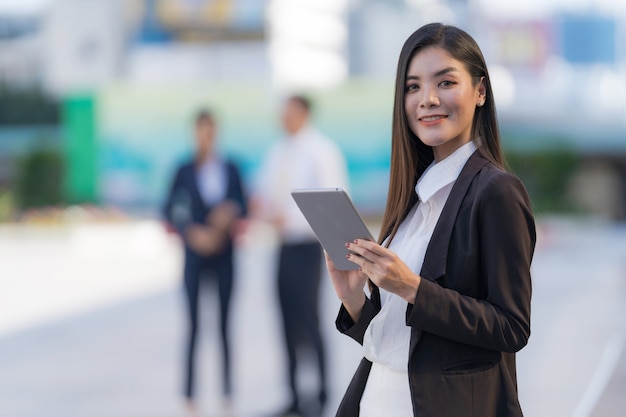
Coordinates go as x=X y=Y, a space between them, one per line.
x=305 y=158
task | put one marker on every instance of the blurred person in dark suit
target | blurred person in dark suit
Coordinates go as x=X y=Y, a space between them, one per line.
x=305 y=158
x=205 y=201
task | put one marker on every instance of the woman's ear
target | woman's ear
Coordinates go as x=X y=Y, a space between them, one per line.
x=481 y=91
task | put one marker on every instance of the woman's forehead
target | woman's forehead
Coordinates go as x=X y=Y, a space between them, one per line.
x=433 y=60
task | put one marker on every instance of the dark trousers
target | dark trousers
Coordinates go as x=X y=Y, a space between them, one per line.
x=299 y=275
x=199 y=269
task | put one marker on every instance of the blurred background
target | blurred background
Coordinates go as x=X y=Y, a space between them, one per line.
x=97 y=99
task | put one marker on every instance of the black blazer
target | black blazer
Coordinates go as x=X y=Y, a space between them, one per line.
x=472 y=308
x=184 y=204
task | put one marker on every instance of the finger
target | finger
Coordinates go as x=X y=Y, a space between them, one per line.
x=357 y=259
x=373 y=247
x=362 y=251
x=353 y=249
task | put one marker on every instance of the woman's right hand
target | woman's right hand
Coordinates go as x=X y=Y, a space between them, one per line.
x=349 y=287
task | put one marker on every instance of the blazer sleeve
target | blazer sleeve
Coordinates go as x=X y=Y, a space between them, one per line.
x=356 y=331
x=176 y=184
x=501 y=321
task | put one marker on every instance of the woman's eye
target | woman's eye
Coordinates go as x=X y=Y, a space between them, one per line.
x=446 y=83
x=412 y=87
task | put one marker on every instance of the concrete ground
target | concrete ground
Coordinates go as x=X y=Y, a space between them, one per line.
x=91 y=324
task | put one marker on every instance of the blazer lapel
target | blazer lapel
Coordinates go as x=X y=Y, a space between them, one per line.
x=194 y=187
x=231 y=192
x=434 y=266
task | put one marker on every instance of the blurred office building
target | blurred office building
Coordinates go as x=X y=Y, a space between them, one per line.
x=297 y=43
x=129 y=73
x=20 y=52
x=91 y=42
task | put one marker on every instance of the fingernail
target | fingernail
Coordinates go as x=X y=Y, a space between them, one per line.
x=348 y=245
x=356 y=241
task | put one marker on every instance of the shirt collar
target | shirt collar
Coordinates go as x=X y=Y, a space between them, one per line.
x=444 y=172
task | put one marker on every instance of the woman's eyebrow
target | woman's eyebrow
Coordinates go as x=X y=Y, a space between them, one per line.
x=436 y=74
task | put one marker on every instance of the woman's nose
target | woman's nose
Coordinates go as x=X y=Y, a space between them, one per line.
x=430 y=98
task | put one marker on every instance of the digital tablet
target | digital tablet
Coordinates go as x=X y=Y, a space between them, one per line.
x=334 y=220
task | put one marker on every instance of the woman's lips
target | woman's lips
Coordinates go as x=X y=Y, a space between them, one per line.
x=431 y=120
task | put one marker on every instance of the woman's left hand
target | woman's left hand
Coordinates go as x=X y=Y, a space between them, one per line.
x=384 y=268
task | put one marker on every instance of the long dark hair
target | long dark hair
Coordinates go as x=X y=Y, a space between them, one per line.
x=409 y=155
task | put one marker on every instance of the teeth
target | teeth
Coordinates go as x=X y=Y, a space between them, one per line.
x=431 y=118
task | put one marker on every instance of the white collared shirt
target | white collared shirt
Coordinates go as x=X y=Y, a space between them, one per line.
x=211 y=179
x=387 y=337
x=307 y=159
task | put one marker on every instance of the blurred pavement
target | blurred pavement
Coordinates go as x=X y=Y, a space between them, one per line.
x=91 y=325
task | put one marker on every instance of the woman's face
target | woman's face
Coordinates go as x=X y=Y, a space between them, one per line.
x=440 y=100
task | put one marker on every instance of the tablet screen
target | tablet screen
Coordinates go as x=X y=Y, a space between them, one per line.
x=334 y=220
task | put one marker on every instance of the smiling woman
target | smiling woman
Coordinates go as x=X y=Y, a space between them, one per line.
x=440 y=100
x=449 y=279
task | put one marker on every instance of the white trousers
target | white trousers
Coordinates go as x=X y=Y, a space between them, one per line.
x=386 y=393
